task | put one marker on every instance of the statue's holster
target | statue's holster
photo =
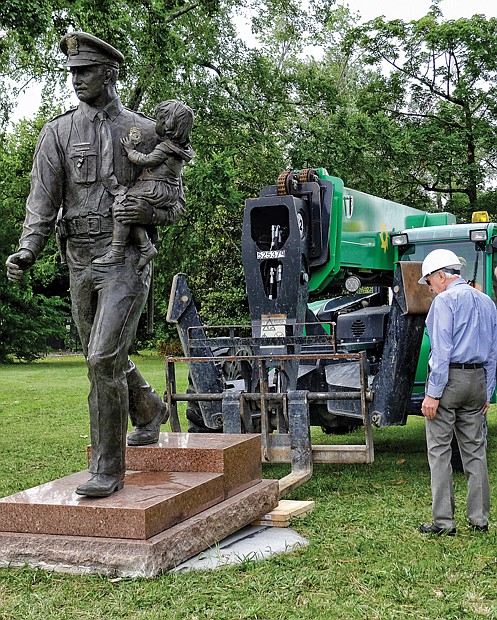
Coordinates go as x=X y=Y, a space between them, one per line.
x=61 y=234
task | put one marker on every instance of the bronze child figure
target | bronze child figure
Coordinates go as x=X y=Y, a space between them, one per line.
x=159 y=182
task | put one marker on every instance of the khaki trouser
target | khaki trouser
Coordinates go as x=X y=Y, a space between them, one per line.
x=459 y=411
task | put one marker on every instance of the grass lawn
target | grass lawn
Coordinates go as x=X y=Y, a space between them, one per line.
x=365 y=558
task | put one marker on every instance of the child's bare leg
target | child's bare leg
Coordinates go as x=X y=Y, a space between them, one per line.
x=147 y=250
x=115 y=256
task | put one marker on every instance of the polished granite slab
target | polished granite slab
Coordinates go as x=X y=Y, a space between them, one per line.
x=237 y=457
x=140 y=558
x=181 y=496
x=166 y=483
x=149 y=503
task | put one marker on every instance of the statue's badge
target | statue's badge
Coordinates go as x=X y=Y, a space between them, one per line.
x=72 y=46
x=135 y=135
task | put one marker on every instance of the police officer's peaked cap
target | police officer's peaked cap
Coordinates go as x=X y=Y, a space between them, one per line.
x=83 y=49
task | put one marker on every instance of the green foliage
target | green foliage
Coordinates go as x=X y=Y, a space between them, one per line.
x=211 y=229
x=16 y=156
x=423 y=128
x=33 y=315
x=28 y=323
x=25 y=17
x=441 y=92
x=487 y=201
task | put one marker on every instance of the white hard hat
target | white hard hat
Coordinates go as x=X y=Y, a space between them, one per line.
x=439 y=259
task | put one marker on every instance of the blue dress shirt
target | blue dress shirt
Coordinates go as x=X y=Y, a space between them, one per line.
x=462 y=326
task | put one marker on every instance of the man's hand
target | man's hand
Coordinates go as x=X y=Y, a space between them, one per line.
x=429 y=407
x=485 y=408
x=18 y=263
x=135 y=212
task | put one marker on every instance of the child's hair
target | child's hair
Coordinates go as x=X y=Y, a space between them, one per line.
x=177 y=118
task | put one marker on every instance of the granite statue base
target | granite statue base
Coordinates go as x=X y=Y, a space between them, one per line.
x=181 y=496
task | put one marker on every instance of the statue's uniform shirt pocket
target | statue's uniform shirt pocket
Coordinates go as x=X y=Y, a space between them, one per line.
x=83 y=158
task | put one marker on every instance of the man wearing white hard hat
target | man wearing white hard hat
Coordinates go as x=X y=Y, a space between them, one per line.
x=462 y=326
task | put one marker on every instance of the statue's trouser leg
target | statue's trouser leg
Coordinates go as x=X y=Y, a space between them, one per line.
x=107 y=304
x=144 y=402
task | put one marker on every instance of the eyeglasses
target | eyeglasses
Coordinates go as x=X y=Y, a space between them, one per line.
x=429 y=278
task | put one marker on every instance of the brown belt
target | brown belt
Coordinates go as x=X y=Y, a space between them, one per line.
x=89 y=225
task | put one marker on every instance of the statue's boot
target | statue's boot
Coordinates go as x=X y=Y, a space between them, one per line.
x=146 y=434
x=115 y=256
x=147 y=253
x=101 y=485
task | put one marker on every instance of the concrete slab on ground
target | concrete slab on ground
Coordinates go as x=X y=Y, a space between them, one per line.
x=252 y=543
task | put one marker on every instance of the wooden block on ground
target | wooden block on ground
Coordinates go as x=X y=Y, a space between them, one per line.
x=286 y=509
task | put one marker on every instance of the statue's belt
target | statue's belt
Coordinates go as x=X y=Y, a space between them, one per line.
x=89 y=225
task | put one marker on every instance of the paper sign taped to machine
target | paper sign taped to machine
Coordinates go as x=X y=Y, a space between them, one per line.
x=273 y=325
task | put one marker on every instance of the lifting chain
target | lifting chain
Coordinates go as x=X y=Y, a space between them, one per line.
x=288 y=180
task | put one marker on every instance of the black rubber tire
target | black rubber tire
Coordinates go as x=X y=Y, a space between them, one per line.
x=194 y=416
x=230 y=371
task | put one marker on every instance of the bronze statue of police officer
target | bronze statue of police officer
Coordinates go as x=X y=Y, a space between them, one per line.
x=78 y=170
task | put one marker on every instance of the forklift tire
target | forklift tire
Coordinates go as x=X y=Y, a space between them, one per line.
x=231 y=371
x=342 y=427
x=194 y=416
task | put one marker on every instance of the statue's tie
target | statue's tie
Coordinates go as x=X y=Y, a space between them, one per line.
x=107 y=175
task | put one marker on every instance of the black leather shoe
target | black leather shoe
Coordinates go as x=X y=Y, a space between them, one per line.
x=478 y=528
x=101 y=485
x=431 y=528
x=146 y=434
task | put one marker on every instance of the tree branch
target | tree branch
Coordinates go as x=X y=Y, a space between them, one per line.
x=139 y=89
x=424 y=81
x=490 y=164
x=181 y=12
x=420 y=115
x=439 y=190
